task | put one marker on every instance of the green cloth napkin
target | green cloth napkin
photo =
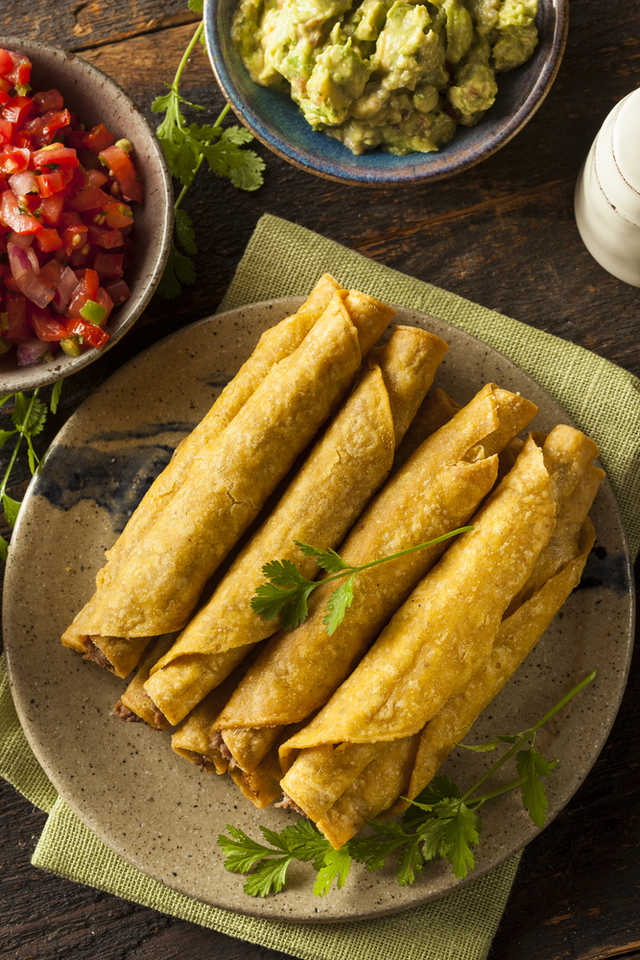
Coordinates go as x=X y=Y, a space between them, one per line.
x=283 y=259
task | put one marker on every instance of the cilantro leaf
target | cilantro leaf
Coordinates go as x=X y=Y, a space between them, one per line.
x=328 y=560
x=186 y=145
x=178 y=271
x=531 y=765
x=335 y=865
x=29 y=415
x=185 y=233
x=268 y=877
x=461 y=831
x=337 y=605
x=11 y=508
x=440 y=822
x=55 y=396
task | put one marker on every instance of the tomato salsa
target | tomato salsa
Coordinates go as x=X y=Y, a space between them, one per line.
x=66 y=196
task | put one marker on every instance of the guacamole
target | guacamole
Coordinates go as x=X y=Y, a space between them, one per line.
x=386 y=73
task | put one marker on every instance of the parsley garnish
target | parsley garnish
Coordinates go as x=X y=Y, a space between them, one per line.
x=287 y=592
x=186 y=145
x=28 y=416
x=441 y=822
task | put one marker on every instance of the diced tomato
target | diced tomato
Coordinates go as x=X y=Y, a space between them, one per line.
x=52 y=208
x=118 y=215
x=91 y=198
x=117 y=290
x=14 y=217
x=53 y=181
x=55 y=153
x=43 y=129
x=47 y=327
x=15 y=67
x=89 y=281
x=14 y=326
x=48 y=100
x=121 y=167
x=49 y=239
x=103 y=298
x=6 y=131
x=108 y=265
x=14 y=159
x=94 y=335
x=103 y=237
x=74 y=236
x=98 y=139
x=50 y=273
x=78 y=299
x=97 y=178
x=56 y=194
x=17 y=111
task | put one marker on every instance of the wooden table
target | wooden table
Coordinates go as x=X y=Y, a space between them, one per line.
x=501 y=234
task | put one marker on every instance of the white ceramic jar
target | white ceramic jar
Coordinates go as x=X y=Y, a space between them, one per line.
x=607 y=195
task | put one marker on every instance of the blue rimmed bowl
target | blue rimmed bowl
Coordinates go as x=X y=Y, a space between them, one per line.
x=276 y=121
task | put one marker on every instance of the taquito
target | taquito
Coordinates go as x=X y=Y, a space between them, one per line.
x=274 y=345
x=159 y=582
x=344 y=469
x=436 y=491
x=435 y=642
x=387 y=779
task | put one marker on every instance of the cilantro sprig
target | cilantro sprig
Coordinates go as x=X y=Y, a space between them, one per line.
x=186 y=146
x=28 y=416
x=441 y=822
x=287 y=591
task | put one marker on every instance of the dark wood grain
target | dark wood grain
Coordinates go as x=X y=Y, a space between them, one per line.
x=503 y=235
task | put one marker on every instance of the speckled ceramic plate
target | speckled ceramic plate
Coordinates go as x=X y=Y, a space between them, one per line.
x=157 y=810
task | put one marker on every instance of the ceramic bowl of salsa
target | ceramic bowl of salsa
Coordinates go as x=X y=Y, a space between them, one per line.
x=94 y=185
x=276 y=120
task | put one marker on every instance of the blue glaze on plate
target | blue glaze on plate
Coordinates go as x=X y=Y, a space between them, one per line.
x=276 y=120
x=115 y=479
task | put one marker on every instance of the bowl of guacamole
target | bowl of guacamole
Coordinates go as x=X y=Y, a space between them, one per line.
x=385 y=92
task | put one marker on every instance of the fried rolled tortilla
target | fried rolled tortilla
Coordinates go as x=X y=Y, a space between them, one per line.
x=437 y=490
x=342 y=472
x=274 y=345
x=436 y=641
x=158 y=584
x=135 y=704
x=382 y=784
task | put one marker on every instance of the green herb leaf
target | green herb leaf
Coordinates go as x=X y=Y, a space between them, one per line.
x=185 y=233
x=288 y=590
x=327 y=560
x=179 y=271
x=55 y=396
x=185 y=146
x=268 y=877
x=337 y=605
x=29 y=415
x=440 y=822
x=11 y=508
x=531 y=766
x=335 y=865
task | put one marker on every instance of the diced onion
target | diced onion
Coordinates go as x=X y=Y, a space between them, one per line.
x=31 y=352
x=23 y=183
